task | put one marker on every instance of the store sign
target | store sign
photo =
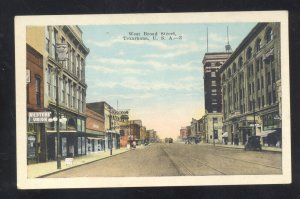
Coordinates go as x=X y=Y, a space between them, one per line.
x=62 y=52
x=39 y=117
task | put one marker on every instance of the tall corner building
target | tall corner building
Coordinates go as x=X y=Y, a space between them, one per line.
x=212 y=63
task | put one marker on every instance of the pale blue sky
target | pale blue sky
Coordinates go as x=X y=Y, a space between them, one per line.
x=161 y=82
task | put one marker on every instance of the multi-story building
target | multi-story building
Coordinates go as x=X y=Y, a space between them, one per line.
x=212 y=63
x=212 y=128
x=65 y=82
x=36 y=136
x=95 y=131
x=111 y=123
x=251 y=86
x=152 y=136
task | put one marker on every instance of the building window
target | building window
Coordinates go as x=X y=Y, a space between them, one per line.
x=73 y=62
x=269 y=98
x=53 y=41
x=69 y=57
x=213 y=83
x=249 y=53
x=78 y=99
x=213 y=74
x=258 y=84
x=74 y=96
x=47 y=38
x=38 y=90
x=229 y=73
x=268 y=78
x=262 y=82
x=257 y=66
x=63 y=90
x=68 y=86
x=269 y=35
x=49 y=81
x=240 y=62
x=262 y=101
x=249 y=89
x=82 y=69
x=234 y=67
x=54 y=85
x=258 y=44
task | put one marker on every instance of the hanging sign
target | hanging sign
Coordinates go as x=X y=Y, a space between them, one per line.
x=62 y=52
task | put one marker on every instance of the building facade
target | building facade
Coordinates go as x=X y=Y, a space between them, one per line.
x=95 y=131
x=111 y=123
x=212 y=128
x=212 y=63
x=36 y=136
x=65 y=82
x=251 y=87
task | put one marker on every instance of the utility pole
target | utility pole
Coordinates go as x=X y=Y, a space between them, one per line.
x=254 y=122
x=110 y=130
x=214 y=131
x=57 y=124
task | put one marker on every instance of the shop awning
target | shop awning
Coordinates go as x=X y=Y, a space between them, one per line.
x=225 y=135
x=266 y=133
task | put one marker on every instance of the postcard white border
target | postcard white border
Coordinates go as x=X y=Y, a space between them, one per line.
x=108 y=19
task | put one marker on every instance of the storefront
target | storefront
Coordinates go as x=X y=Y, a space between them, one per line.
x=72 y=136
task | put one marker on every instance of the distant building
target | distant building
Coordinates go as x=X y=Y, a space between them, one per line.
x=251 y=86
x=95 y=131
x=111 y=122
x=152 y=136
x=183 y=133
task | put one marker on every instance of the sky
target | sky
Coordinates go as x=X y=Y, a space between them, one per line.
x=160 y=81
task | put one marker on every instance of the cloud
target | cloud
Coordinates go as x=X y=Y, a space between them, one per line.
x=117 y=70
x=133 y=83
x=117 y=65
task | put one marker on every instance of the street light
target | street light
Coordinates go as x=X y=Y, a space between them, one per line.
x=61 y=54
x=254 y=122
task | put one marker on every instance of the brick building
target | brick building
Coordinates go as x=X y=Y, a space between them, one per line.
x=95 y=131
x=36 y=137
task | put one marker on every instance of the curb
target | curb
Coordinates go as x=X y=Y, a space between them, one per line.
x=65 y=169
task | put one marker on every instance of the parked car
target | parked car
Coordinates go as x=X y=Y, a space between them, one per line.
x=253 y=143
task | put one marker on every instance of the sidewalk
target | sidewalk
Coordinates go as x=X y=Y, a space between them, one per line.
x=41 y=169
x=264 y=148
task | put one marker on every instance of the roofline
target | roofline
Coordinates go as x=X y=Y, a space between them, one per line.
x=245 y=41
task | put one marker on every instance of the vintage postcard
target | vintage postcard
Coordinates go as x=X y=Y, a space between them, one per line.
x=137 y=100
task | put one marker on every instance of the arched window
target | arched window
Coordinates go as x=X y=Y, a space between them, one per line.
x=258 y=44
x=269 y=35
x=240 y=62
x=234 y=67
x=249 y=53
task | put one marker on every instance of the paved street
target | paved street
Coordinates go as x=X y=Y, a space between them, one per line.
x=178 y=160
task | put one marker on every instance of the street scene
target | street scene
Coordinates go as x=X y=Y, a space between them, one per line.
x=154 y=100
